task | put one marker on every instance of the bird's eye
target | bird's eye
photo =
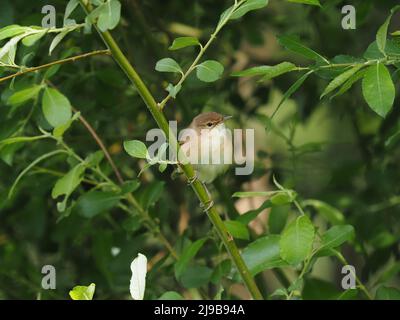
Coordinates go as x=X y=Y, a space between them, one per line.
x=209 y=124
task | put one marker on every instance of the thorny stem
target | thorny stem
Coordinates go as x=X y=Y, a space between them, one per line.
x=200 y=190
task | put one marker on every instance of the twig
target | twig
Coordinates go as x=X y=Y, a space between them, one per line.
x=62 y=61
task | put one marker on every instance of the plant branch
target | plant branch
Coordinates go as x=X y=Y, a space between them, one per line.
x=200 y=190
x=203 y=50
x=62 y=61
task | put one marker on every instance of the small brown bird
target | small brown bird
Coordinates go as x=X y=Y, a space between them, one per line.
x=208 y=147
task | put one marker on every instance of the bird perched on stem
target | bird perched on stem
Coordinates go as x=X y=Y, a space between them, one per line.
x=207 y=144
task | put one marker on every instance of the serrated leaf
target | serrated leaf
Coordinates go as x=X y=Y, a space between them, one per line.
x=378 y=89
x=293 y=44
x=297 y=240
x=56 y=107
x=340 y=79
x=183 y=42
x=168 y=65
x=136 y=149
x=209 y=71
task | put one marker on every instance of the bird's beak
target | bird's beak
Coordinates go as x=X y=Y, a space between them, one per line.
x=227 y=117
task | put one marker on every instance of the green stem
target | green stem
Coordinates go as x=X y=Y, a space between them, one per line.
x=202 y=51
x=200 y=190
x=343 y=260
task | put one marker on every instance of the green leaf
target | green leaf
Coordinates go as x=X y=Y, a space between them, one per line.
x=11 y=31
x=381 y=35
x=196 y=276
x=250 y=215
x=209 y=71
x=173 y=90
x=188 y=254
x=60 y=130
x=310 y=2
x=12 y=140
x=168 y=65
x=340 y=79
x=387 y=293
x=93 y=203
x=10 y=46
x=263 y=254
x=237 y=229
x=350 y=82
x=136 y=149
x=373 y=53
x=268 y=72
x=130 y=186
x=292 y=90
x=297 y=240
x=31 y=39
x=56 y=107
x=151 y=194
x=330 y=213
x=183 y=42
x=283 y=198
x=378 y=89
x=221 y=270
x=57 y=39
x=277 y=219
x=249 y=194
x=171 y=295
x=83 y=292
x=396 y=33
x=109 y=15
x=24 y=95
x=334 y=237
x=68 y=183
x=247 y=6
x=30 y=166
x=71 y=6
x=293 y=44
